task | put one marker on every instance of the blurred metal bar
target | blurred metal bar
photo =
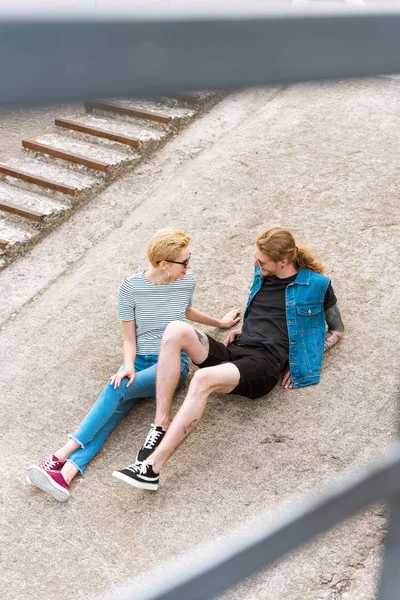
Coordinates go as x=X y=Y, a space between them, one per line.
x=390 y=579
x=48 y=60
x=256 y=546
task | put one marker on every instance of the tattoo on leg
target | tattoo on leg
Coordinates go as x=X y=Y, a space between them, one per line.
x=187 y=428
x=203 y=339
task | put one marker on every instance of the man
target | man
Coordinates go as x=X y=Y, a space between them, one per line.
x=283 y=332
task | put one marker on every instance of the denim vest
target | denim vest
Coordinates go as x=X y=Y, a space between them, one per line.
x=305 y=318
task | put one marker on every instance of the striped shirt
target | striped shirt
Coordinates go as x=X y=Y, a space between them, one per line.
x=153 y=307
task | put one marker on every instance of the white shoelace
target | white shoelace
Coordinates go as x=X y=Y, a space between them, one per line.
x=49 y=463
x=152 y=438
x=140 y=468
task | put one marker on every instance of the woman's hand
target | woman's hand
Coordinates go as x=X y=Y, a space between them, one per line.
x=287 y=380
x=231 y=318
x=118 y=377
x=231 y=337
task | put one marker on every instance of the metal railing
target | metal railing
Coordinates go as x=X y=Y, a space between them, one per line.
x=51 y=55
x=47 y=57
x=229 y=562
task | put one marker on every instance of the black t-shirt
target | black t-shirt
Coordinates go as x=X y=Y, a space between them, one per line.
x=265 y=322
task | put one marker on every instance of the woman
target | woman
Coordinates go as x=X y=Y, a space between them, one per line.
x=148 y=302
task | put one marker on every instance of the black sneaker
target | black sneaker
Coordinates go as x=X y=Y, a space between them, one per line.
x=140 y=475
x=153 y=439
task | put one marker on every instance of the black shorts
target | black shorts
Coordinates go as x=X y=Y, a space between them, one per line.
x=259 y=369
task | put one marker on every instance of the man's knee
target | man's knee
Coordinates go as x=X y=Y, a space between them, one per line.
x=176 y=331
x=204 y=380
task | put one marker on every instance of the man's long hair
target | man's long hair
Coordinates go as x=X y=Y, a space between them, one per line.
x=278 y=243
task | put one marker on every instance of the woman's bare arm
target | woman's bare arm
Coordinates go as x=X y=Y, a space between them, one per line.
x=129 y=351
x=231 y=318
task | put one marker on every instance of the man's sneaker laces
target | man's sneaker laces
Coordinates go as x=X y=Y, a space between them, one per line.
x=139 y=475
x=153 y=439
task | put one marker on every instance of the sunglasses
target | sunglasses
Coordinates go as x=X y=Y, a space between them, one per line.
x=176 y=262
x=260 y=264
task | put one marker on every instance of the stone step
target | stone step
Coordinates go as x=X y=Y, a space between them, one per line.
x=14 y=173
x=14 y=234
x=128 y=111
x=133 y=134
x=193 y=100
x=172 y=108
x=93 y=151
x=24 y=218
x=16 y=209
x=81 y=127
x=29 y=203
x=36 y=146
x=33 y=174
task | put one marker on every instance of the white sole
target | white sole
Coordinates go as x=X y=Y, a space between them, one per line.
x=139 y=484
x=42 y=480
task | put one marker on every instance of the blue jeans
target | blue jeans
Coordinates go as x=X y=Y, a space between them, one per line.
x=113 y=404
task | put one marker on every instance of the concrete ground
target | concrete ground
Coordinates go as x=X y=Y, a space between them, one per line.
x=320 y=159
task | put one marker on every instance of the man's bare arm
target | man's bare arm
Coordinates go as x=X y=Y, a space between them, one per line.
x=335 y=327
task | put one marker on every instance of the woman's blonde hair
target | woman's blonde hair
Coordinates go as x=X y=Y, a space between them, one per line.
x=278 y=243
x=166 y=244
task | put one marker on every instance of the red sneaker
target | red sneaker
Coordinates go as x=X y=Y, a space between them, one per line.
x=51 y=463
x=52 y=482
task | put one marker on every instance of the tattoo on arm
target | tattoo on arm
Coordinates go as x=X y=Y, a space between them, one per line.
x=203 y=339
x=188 y=428
x=335 y=327
x=334 y=319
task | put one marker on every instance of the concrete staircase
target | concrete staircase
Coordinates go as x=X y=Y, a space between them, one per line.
x=58 y=171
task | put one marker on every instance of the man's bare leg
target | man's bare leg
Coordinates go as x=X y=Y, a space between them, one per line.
x=177 y=336
x=145 y=473
x=222 y=378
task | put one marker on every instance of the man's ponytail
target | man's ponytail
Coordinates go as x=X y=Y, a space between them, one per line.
x=278 y=243
x=305 y=259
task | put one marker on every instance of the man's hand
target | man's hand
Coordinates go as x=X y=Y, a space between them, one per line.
x=231 y=337
x=231 y=318
x=287 y=380
x=118 y=377
x=332 y=338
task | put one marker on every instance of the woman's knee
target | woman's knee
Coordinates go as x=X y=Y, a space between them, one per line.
x=112 y=397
